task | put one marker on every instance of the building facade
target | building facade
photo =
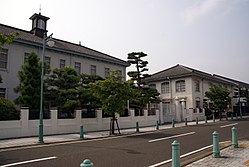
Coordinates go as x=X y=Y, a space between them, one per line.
x=182 y=91
x=63 y=53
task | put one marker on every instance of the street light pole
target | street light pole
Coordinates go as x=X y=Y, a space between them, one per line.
x=45 y=40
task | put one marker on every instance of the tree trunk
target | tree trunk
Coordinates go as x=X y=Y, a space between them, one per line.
x=113 y=121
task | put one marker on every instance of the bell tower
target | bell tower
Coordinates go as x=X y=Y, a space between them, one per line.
x=39 y=24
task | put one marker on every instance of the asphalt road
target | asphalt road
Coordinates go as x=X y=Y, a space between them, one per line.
x=137 y=150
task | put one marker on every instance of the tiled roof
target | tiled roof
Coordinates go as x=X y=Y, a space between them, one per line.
x=176 y=72
x=27 y=36
x=179 y=71
x=239 y=83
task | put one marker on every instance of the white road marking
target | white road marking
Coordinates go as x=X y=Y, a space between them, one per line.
x=182 y=156
x=165 y=138
x=30 y=161
x=228 y=125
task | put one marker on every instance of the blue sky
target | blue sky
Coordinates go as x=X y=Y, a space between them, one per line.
x=208 y=35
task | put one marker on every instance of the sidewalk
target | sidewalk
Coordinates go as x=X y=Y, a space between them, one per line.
x=238 y=157
x=27 y=141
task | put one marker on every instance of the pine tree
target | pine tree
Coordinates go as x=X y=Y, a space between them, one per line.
x=30 y=85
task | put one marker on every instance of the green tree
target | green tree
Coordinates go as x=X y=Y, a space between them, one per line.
x=8 y=110
x=7 y=38
x=146 y=95
x=30 y=85
x=219 y=95
x=62 y=87
x=86 y=97
x=113 y=93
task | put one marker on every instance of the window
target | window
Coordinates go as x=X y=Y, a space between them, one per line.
x=107 y=72
x=47 y=61
x=180 y=86
x=197 y=86
x=41 y=24
x=93 y=70
x=119 y=72
x=3 y=58
x=26 y=55
x=2 y=92
x=198 y=104
x=164 y=87
x=62 y=63
x=152 y=86
x=77 y=66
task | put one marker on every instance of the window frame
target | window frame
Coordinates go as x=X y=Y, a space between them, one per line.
x=62 y=63
x=3 y=92
x=107 y=72
x=77 y=66
x=4 y=59
x=180 y=86
x=93 y=69
x=165 y=88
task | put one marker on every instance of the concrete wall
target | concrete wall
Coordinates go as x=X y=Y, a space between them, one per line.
x=25 y=127
x=16 y=54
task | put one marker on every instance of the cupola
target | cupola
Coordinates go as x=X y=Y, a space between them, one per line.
x=39 y=24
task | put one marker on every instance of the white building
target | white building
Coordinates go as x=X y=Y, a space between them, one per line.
x=83 y=59
x=182 y=91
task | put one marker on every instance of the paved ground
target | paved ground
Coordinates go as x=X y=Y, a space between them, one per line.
x=229 y=157
x=10 y=143
x=238 y=157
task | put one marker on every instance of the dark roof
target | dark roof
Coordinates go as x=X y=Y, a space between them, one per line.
x=180 y=71
x=176 y=72
x=60 y=45
x=236 y=82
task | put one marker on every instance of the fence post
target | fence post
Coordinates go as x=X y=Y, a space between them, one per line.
x=175 y=154
x=186 y=121
x=213 y=118
x=216 y=149
x=157 y=125
x=234 y=138
x=205 y=119
x=81 y=132
x=137 y=127
x=196 y=120
x=232 y=116
x=236 y=115
x=86 y=163
x=173 y=123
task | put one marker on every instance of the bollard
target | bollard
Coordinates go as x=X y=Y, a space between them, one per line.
x=81 y=132
x=175 y=154
x=236 y=115
x=216 y=149
x=226 y=117
x=196 y=120
x=232 y=116
x=213 y=118
x=137 y=127
x=173 y=123
x=234 y=138
x=157 y=125
x=186 y=122
x=86 y=163
x=205 y=119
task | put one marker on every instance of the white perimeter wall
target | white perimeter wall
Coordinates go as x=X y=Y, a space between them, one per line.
x=25 y=127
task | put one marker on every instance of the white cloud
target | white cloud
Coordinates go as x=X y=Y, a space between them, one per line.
x=206 y=7
x=200 y=9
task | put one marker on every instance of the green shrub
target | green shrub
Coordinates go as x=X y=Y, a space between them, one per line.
x=8 y=110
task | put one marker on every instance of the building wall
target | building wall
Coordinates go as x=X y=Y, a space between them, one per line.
x=16 y=54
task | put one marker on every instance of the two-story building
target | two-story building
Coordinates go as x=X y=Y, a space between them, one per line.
x=63 y=53
x=182 y=91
